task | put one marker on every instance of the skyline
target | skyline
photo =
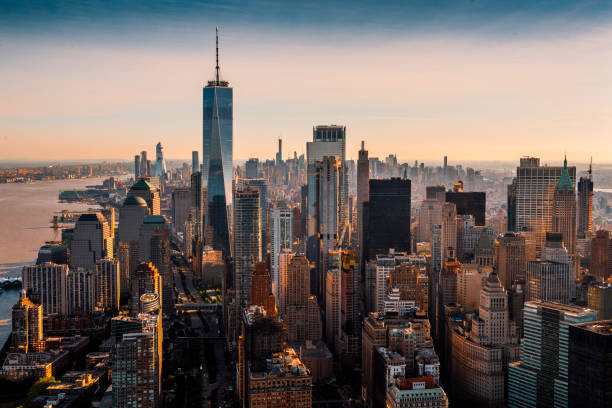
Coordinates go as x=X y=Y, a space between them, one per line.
x=533 y=78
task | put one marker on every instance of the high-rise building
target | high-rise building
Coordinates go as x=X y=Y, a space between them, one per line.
x=251 y=168
x=262 y=185
x=279 y=154
x=599 y=298
x=146 y=279
x=540 y=378
x=136 y=166
x=150 y=224
x=148 y=192
x=332 y=299
x=80 y=291
x=585 y=204
x=160 y=258
x=327 y=141
x=195 y=162
x=160 y=162
x=197 y=211
x=137 y=361
x=131 y=216
x=92 y=241
x=281 y=235
x=601 y=255
x=551 y=279
x=217 y=156
x=46 y=284
x=261 y=289
x=363 y=195
x=590 y=362
x=107 y=284
x=449 y=231
x=27 y=325
x=302 y=315
x=472 y=203
x=564 y=210
x=510 y=258
x=247 y=239
x=430 y=214
x=387 y=217
x=181 y=207
x=533 y=194
x=144 y=165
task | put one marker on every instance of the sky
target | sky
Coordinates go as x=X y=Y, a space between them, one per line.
x=473 y=80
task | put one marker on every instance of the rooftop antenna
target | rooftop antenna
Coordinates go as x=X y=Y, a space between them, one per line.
x=591 y=167
x=217 y=38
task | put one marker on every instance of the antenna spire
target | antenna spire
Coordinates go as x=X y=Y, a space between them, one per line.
x=591 y=167
x=217 y=49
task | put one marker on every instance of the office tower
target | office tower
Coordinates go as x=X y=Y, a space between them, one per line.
x=533 y=191
x=196 y=210
x=469 y=282
x=327 y=216
x=46 y=284
x=107 y=284
x=480 y=352
x=510 y=258
x=437 y=252
x=421 y=392
x=284 y=259
x=261 y=289
x=262 y=185
x=144 y=165
x=350 y=321
x=411 y=282
x=160 y=162
x=445 y=165
x=430 y=214
x=137 y=361
x=599 y=298
x=564 y=211
x=92 y=241
x=27 y=325
x=511 y=205
x=327 y=141
x=150 y=224
x=472 y=203
x=540 y=377
x=181 y=207
x=332 y=299
x=387 y=217
x=145 y=190
x=54 y=252
x=281 y=234
x=160 y=258
x=590 y=362
x=585 y=203
x=279 y=154
x=136 y=166
x=484 y=253
x=247 y=239
x=363 y=195
x=551 y=279
x=80 y=291
x=217 y=156
x=146 y=279
x=601 y=255
x=385 y=263
x=252 y=168
x=131 y=216
x=150 y=169
x=449 y=230
x=302 y=316
x=195 y=162
x=435 y=193
x=284 y=382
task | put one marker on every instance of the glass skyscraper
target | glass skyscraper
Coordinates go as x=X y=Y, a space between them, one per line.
x=217 y=158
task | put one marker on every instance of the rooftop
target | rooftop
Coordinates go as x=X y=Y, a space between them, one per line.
x=603 y=327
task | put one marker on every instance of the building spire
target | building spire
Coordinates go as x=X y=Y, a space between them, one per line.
x=217 y=49
x=591 y=167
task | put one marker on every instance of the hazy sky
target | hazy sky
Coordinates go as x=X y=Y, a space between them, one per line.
x=470 y=79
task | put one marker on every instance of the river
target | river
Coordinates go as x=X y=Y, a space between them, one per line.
x=26 y=210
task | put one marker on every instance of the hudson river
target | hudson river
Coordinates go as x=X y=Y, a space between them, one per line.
x=26 y=211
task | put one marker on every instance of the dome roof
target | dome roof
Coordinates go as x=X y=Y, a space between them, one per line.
x=134 y=200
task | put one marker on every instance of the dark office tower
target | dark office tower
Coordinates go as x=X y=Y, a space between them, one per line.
x=435 y=192
x=585 y=203
x=472 y=203
x=195 y=162
x=510 y=258
x=247 y=239
x=590 y=364
x=601 y=255
x=262 y=185
x=261 y=288
x=136 y=166
x=279 y=155
x=144 y=163
x=445 y=164
x=387 y=217
x=564 y=210
x=363 y=194
x=196 y=207
x=160 y=258
x=511 y=204
x=252 y=168
x=534 y=188
x=217 y=157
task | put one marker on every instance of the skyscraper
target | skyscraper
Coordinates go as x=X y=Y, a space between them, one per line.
x=136 y=166
x=585 y=203
x=469 y=203
x=511 y=261
x=564 y=210
x=533 y=190
x=247 y=239
x=160 y=162
x=144 y=165
x=363 y=194
x=279 y=154
x=107 y=284
x=27 y=325
x=551 y=279
x=281 y=233
x=145 y=190
x=217 y=156
x=601 y=254
x=449 y=230
x=540 y=378
x=195 y=161
x=160 y=258
x=91 y=242
x=47 y=284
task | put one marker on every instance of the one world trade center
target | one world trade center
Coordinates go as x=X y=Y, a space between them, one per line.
x=217 y=157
